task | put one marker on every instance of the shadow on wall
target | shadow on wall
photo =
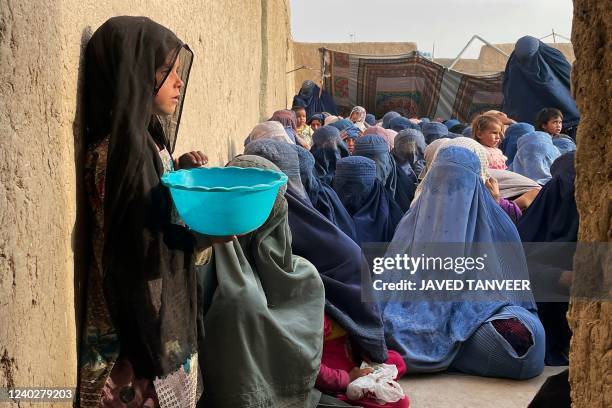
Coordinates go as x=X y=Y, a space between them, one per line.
x=81 y=243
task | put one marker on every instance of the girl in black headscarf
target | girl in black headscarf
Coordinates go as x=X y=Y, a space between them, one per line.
x=140 y=339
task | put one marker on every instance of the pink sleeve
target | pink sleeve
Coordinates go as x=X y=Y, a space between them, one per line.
x=331 y=379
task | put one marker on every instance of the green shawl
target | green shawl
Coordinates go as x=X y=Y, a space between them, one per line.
x=263 y=317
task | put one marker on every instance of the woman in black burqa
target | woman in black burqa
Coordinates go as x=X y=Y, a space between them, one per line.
x=140 y=339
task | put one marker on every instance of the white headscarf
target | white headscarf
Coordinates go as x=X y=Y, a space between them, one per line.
x=269 y=130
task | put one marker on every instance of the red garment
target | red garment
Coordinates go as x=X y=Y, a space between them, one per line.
x=336 y=363
x=515 y=333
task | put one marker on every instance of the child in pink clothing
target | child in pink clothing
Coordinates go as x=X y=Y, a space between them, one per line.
x=338 y=368
x=487 y=130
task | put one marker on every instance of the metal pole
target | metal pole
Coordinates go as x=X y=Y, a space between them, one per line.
x=469 y=43
x=554 y=36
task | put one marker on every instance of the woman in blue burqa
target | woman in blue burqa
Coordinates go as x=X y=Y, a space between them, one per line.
x=374 y=211
x=327 y=148
x=537 y=76
x=488 y=334
x=314 y=99
x=322 y=196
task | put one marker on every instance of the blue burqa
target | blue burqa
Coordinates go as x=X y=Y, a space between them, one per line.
x=454 y=207
x=511 y=137
x=537 y=76
x=336 y=256
x=409 y=151
x=565 y=144
x=370 y=119
x=327 y=148
x=322 y=196
x=433 y=131
x=400 y=123
x=341 y=124
x=401 y=185
x=374 y=211
x=534 y=156
x=314 y=100
x=387 y=117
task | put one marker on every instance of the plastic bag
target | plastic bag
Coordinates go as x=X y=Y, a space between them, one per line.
x=379 y=385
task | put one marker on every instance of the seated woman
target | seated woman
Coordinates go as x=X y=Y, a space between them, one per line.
x=268 y=130
x=553 y=217
x=511 y=136
x=509 y=207
x=327 y=148
x=373 y=210
x=323 y=197
x=497 y=337
x=433 y=131
x=269 y=302
x=400 y=185
x=534 y=155
x=370 y=119
x=430 y=152
x=337 y=257
x=401 y=123
x=288 y=119
x=388 y=117
x=409 y=151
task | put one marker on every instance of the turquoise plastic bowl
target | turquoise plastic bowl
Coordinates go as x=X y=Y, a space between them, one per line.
x=224 y=201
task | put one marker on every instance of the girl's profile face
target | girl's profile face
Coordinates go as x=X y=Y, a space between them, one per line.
x=315 y=124
x=167 y=98
x=490 y=136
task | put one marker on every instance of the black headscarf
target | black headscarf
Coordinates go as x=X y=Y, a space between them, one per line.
x=553 y=217
x=149 y=280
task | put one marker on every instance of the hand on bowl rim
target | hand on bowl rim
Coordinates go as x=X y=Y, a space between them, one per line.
x=191 y=160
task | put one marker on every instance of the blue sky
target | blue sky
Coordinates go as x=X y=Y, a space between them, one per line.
x=447 y=23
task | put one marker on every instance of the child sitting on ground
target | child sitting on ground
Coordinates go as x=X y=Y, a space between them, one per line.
x=339 y=367
x=487 y=130
x=303 y=130
x=550 y=120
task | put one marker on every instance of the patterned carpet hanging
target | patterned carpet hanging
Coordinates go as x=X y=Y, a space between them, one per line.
x=409 y=84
